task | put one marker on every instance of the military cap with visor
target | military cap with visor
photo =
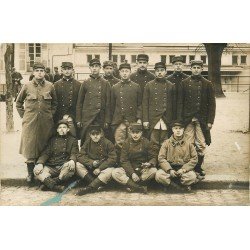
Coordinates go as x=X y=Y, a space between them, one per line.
x=142 y=57
x=124 y=66
x=38 y=65
x=160 y=65
x=196 y=62
x=67 y=65
x=94 y=61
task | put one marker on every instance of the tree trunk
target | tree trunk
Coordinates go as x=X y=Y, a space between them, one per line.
x=8 y=59
x=214 y=53
x=110 y=51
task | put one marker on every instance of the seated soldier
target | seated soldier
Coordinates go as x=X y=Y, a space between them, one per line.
x=177 y=159
x=58 y=159
x=138 y=161
x=96 y=161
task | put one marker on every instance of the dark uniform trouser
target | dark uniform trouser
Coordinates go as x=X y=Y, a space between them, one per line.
x=158 y=136
x=120 y=175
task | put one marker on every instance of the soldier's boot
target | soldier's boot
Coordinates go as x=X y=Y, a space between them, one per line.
x=51 y=184
x=174 y=187
x=198 y=167
x=95 y=185
x=30 y=168
x=136 y=188
x=57 y=180
x=88 y=178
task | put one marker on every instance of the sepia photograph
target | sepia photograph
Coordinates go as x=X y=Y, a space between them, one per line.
x=124 y=124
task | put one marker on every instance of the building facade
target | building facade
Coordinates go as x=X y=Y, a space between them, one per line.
x=235 y=68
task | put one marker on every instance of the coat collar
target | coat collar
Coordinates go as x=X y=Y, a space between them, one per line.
x=95 y=77
x=175 y=142
x=36 y=83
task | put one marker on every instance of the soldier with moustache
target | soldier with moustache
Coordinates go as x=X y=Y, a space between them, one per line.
x=36 y=105
x=93 y=102
x=67 y=90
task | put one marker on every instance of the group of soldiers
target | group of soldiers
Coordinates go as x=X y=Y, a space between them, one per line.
x=132 y=130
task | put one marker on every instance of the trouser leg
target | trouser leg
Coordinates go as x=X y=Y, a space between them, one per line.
x=148 y=174
x=66 y=172
x=163 y=177
x=188 y=178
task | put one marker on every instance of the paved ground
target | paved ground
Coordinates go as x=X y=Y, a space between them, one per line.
x=31 y=196
x=227 y=160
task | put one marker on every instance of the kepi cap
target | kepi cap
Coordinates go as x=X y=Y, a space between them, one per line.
x=142 y=57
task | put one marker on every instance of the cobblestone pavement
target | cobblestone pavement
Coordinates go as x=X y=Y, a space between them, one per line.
x=31 y=196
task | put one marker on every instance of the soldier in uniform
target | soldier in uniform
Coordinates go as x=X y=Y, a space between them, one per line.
x=138 y=161
x=93 y=102
x=16 y=82
x=39 y=97
x=67 y=90
x=108 y=68
x=57 y=75
x=51 y=78
x=177 y=159
x=196 y=107
x=142 y=76
x=58 y=158
x=176 y=79
x=96 y=161
x=126 y=99
x=157 y=105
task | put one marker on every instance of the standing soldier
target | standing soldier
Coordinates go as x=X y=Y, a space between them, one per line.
x=196 y=107
x=142 y=76
x=176 y=79
x=40 y=101
x=67 y=90
x=108 y=68
x=126 y=101
x=157 y=105
x=57 y=75
x=16 y=82
x=138 y=161
x=51 y=77
x=93 y=102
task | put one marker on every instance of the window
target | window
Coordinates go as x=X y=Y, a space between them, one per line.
x=115 y=58
x=122 y=58
x=184 y=59
x=191 y=58
x=204 y=59
x=97 y=57
x=243 y=59
x=34 y=53
x=235 y=60
x=89 y=58
x=133 y=59
x=163 y=58
x=171 y=58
